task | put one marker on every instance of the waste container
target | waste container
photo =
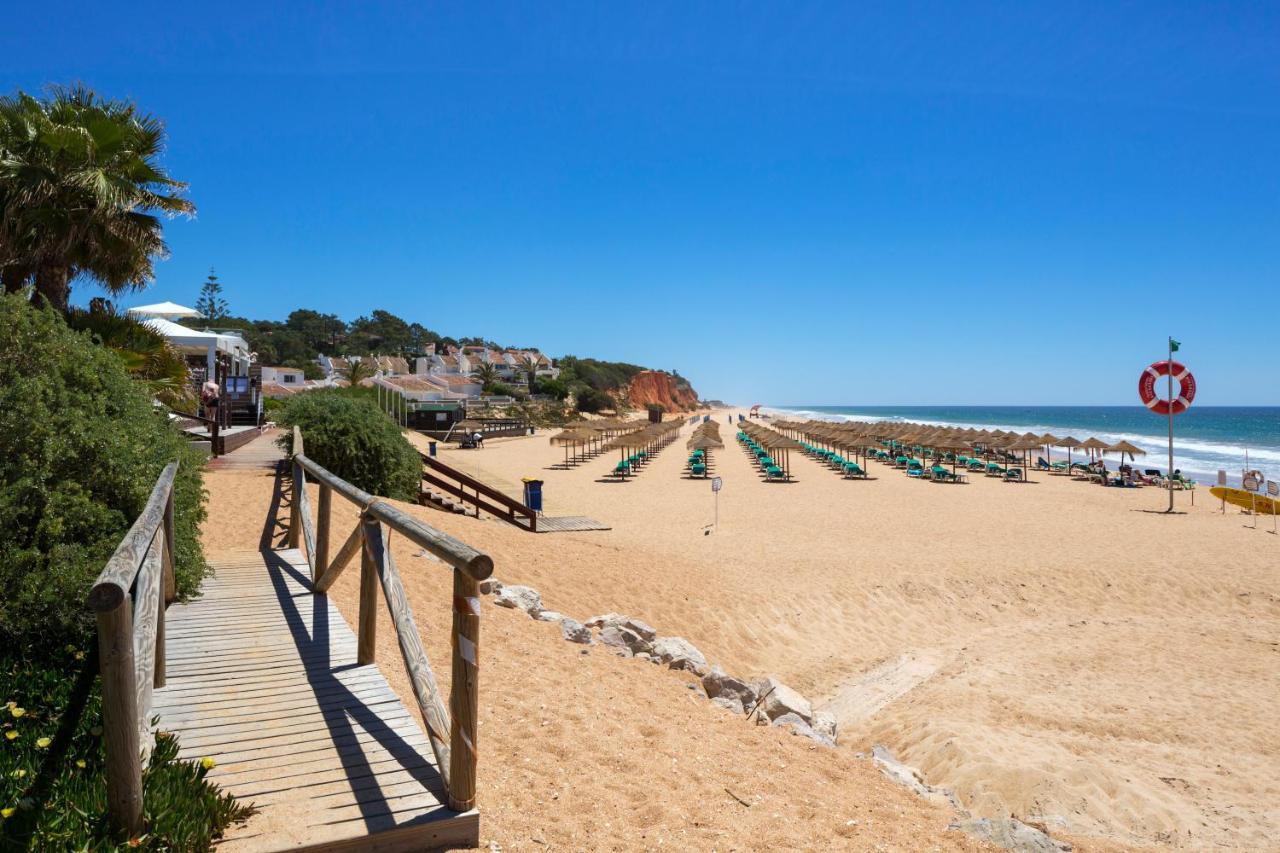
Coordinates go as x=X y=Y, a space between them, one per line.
x=532 y=493
x=431 y=448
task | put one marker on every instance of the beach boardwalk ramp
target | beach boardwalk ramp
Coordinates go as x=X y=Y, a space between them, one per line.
x=263 y=678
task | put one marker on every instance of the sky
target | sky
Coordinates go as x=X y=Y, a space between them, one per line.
x=789 y=203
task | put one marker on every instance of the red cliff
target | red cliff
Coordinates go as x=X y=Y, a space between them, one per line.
x=672 y=394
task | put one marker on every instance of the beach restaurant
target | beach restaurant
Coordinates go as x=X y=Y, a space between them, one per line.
x=220 y=354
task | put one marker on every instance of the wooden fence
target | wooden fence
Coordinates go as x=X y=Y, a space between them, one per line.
x=214 y=427
x=481 y=495
x=452 y=732
x=129 y=598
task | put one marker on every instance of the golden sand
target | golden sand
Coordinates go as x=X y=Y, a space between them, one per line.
x=1051 y=650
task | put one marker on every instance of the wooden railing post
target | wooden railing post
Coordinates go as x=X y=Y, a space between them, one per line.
x=367 y=631
x=322 y=530
x=295 y=506
x=120 y=718
x=464 y=692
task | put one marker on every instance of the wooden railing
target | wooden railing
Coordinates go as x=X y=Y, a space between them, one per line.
x=481 y=497
x=214 y=427
x=453 y=732
x=129 y=598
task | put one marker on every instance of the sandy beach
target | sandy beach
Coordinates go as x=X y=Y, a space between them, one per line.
x=1051 y=650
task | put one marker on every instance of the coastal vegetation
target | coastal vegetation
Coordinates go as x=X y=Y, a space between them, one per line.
x=81 y=445
x=350 y=436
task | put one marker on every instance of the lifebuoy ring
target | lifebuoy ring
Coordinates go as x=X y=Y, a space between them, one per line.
x=1159 y=405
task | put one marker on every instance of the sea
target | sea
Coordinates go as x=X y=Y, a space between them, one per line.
x=1206 y=439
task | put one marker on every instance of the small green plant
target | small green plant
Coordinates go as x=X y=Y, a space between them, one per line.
x=53 y=792
x=353 y=439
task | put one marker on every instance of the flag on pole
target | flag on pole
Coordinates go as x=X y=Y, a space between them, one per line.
x=1173 y=345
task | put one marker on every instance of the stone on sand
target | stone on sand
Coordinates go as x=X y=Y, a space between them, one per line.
x=575 y=632
x=1011 y=834
x=679 y=653
x=520 y=598
x=778 y=699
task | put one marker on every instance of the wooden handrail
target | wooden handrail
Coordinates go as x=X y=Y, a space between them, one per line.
x=452 y=735
x=129 y=598
x=503 y=506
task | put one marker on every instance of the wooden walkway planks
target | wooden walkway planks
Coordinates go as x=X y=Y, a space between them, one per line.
x=569 y=523
x=262 y=678
x=258 y=451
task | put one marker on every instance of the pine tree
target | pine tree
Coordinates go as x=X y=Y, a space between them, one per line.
x=211 y=305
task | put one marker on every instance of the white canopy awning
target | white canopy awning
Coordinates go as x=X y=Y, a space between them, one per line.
x=195 y=342
x=168 y=310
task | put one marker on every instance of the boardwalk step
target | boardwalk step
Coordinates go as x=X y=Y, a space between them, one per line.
x=262 y=677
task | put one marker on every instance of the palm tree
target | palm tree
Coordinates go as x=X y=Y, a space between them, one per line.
x=530 y=366
x=486 y=373
x=81 y=192
x=358 y=370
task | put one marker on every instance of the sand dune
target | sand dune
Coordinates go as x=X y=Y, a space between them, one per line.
x=1051 y=650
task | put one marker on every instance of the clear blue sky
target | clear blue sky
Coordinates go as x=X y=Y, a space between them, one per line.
x=790 y=203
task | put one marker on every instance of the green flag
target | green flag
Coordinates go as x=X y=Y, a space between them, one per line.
x=1173 y=345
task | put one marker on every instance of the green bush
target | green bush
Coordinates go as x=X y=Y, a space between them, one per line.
x=81 y=445
x=353 y=439
x=588 y=399
x=53 y=792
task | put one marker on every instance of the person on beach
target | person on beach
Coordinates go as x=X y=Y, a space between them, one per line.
x=209 y=392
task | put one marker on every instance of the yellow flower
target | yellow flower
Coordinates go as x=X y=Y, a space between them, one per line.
x=208 y=763
x=43 y=743
x=19 y=773
x=16 y=711
x=7 y=812
x=80 y=763
x=11 y=734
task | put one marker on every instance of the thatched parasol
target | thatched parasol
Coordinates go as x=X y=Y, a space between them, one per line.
x=1025 y=443
x=1069 y=443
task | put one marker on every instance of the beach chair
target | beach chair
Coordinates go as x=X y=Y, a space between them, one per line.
x=915 y=469
x=622 y=469
x=1013 y=475
x=1042 y=465
x=773 y=472
x=976 y=465
x=698 y=469
x=939 y=474
x=853 y=471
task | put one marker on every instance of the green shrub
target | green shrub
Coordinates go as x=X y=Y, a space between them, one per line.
x=81 y=445
x=588 y=399
x=353 y=439
x=53 y=792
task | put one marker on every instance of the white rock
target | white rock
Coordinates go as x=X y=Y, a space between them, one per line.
x=729 y=703
x=679 y=653
x=799 y=727
x=623 y=638
x=719 y=684
x=824 y=723
x=778 y=699
x=575 y=632
x=1011 y=834
x=909 y=777
x=641 y=629
x=519 y=598
x=606 y=621
x=547 y=616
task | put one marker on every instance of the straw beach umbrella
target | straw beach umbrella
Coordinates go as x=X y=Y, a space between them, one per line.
x=1123 y=447
x=1025 y=443
x=1069 y=443
x=1095 y=444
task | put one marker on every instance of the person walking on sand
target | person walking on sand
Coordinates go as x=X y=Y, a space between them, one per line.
x=209 y=392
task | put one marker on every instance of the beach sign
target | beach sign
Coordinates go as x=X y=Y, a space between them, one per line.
x=716 y=484
x=1173 y=404
x=1251 y=483
x=1273 y=488
x=1222 y=477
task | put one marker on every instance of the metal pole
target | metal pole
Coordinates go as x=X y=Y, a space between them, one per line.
x=1170 y=378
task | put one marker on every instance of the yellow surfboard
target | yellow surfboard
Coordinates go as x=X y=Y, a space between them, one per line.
x=1262 y=504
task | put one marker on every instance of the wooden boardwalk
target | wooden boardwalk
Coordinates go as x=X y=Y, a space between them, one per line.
x=263 y=679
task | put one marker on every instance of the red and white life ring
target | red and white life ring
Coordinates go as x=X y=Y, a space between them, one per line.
x=1159 y=405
